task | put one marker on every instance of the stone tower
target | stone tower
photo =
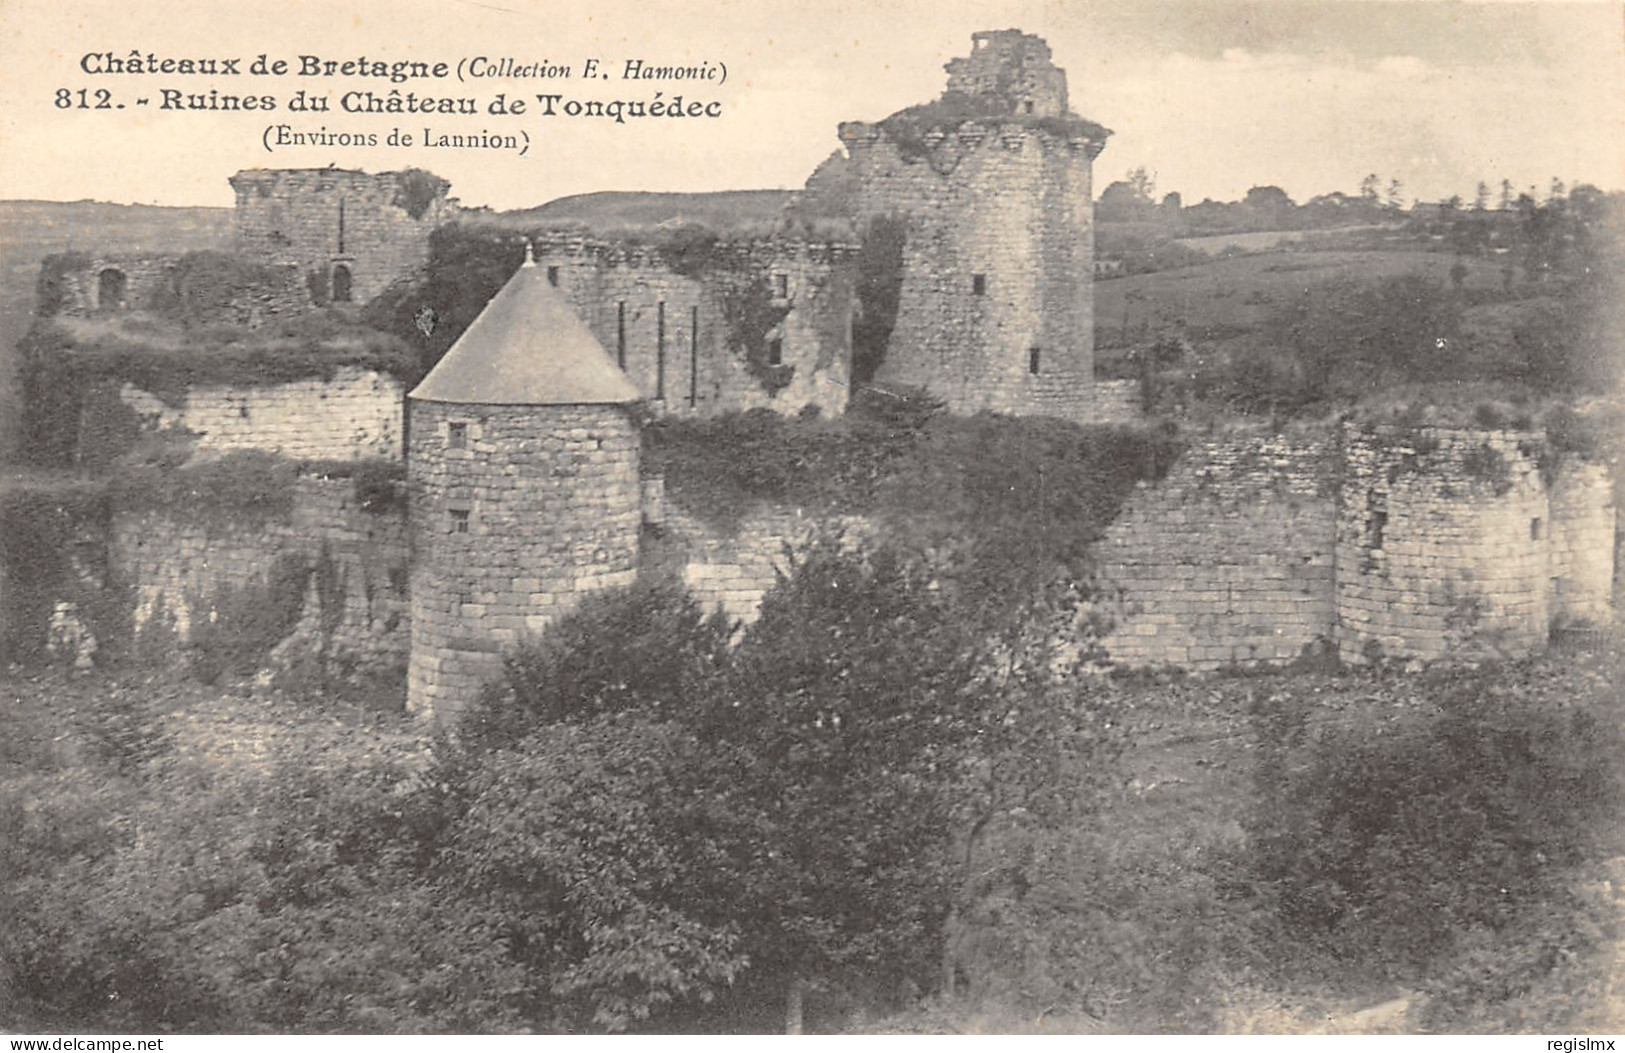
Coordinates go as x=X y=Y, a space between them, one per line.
x=523 y=471
x=993 y=185
x=351 y=233
x=1455 y=540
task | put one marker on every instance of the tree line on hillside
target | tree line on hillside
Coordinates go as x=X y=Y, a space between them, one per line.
x=1265 y=208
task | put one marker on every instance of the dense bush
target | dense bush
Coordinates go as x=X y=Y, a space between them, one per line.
x=39 y=521
x=234 y=632
x=650 y=649
x=148 y=886
x=1002 y=502
x=1341 y=342
x=615 y=862
x=1468 y=813
x=793 y=813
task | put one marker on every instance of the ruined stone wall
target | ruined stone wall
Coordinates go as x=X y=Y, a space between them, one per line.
x=1013 y=66
x=1227 y=560
x=733 y=567
x=179 y=568
x=679 y=337
x=1442 y=544
x=998 y=262
x=1582 y=546
x=1119 y=402
x=321 y=220
x=537 y=506
x=156 y=284
x=355 y=415
x=148 y=284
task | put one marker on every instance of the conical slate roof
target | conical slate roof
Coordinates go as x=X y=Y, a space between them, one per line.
x=527 y=348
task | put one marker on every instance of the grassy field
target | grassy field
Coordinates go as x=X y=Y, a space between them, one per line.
x=32 y=230
x=722 y=211
x=1229 y=297
x=1261 y=240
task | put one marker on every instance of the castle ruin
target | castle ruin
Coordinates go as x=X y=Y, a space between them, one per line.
x=521 y=448
x=992 y=185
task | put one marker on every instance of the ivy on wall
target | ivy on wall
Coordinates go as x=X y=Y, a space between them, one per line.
x=417 y=189
x=749 y=314
x=66 y=361
x=910 y=129
x=41 y=523
x=879 y=289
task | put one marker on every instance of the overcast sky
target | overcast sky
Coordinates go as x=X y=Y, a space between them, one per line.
x=1213 y=97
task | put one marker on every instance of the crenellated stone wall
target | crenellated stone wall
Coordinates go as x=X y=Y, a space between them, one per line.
x=372 y=227
x=354 y=415
x=1228 y=560
x=513 y=519
x=681 y=336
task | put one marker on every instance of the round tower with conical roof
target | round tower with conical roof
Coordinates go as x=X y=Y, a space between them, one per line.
x=523 y=471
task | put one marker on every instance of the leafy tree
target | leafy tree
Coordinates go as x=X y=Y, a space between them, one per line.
x=1393 y=847
x=1370 y=188
x=1481 y=196
x=647 y=650
x=1271 y=203
x=1123 y=202
x=1144 y=183
x=1395 y=198
x=239 y=900
x=1346 y=340
x=619 y=863
x=651 y=822
x=854 y=695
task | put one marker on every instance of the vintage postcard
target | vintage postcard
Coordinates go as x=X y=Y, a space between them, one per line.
x=1026 y=517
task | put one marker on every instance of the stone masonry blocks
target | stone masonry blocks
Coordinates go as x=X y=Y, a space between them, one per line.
x=540 y=505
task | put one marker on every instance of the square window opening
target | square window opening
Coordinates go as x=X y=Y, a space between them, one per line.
x=1536 y=529
x=978 y=285
x=775 y=351
x=781 y=286
x=1033 y=356
x=457 y=435
x=459 y=520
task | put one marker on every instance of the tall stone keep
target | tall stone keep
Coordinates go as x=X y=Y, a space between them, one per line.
x=523 y=473
x=992 y=185
x=352 y=234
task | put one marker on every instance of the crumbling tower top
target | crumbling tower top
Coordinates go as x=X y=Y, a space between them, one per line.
x=1010 y=72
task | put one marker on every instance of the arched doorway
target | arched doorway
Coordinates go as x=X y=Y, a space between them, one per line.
x=111 y=288
x=342 y=283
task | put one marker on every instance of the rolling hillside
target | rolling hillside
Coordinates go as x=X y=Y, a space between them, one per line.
x=723 y=211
